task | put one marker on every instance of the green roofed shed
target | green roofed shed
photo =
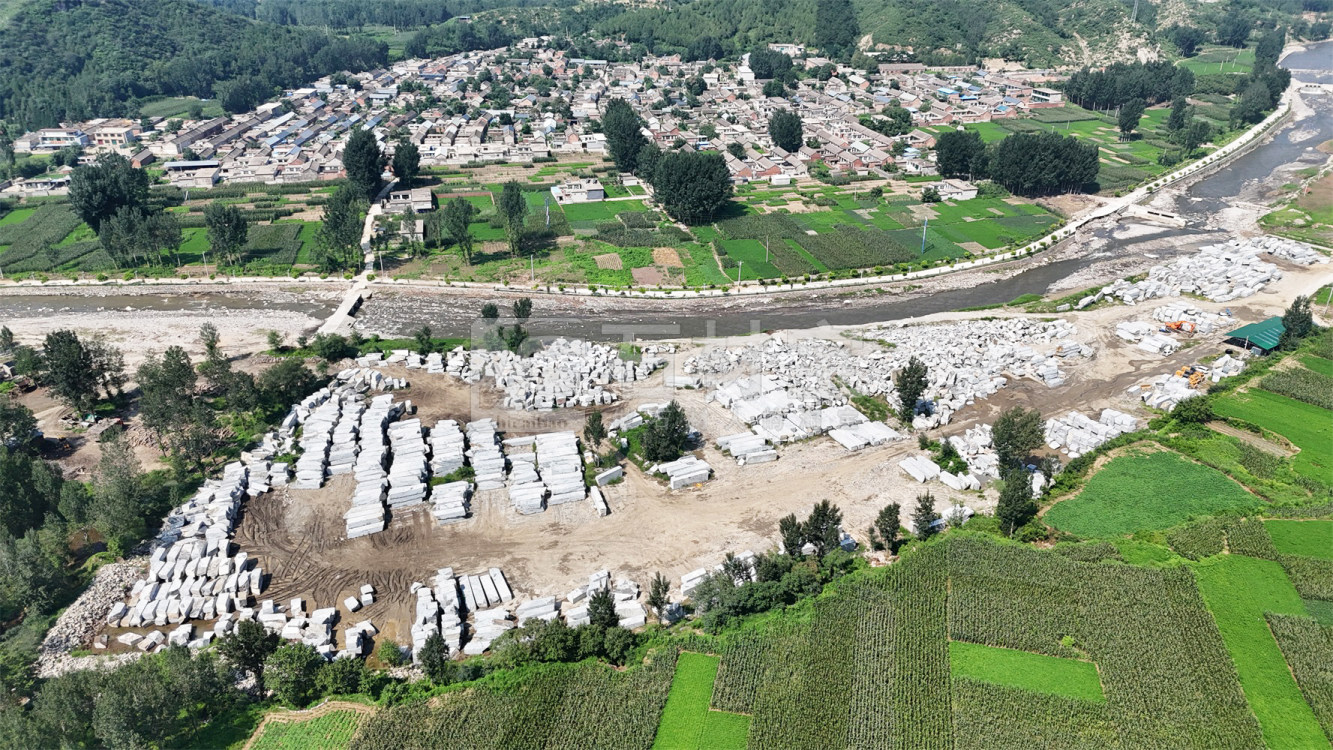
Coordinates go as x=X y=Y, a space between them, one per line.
x=1262 y=335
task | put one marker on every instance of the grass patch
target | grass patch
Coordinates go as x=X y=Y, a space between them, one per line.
x=1023 y=669
x=1307 y=426
x=687 y=722
x=1307 y=538
x=1147 y=492
x=600 y=210
x=17 y=216
x=1238 y=591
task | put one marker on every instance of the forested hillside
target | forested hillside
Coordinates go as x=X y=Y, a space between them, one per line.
x=1037 y=32
x=72 y=60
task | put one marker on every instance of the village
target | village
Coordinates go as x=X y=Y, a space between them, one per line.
x=533 y=103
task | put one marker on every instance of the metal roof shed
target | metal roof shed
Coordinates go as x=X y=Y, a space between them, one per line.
x=1262 y=335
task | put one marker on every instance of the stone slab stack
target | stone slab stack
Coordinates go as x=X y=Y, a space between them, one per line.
x=450 y=502
x=408 y=469
x=1076 y=434
x=447 y=448
x=316 y=437
x=485 y=455
x=683 y=472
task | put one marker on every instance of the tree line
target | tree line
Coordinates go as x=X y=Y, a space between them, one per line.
x=1028 y=164
x=1116 y=84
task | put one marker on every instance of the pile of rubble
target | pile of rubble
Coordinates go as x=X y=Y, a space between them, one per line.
x=563 y=373
x=1220 y=273
x=79 y=622
x=1076 y=434
x=977 y=448
x=789 y=387
x=1296 y=252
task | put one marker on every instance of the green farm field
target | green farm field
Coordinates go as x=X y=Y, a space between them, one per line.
x=1147 y=492
x=687 y=721
x=1039 y=673
x=1307 y=538
x=332 y=729
x=1307 y=426
x=1239 y=591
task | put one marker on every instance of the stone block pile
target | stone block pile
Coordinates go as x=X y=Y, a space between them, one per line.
x=564 y=373
x=920 y=468
x=408 y=469
x=546 y=469
x=1167 y=390
x=1296 y=252
x=545 y=608
x=1204 y=322
x=976 y=447
x=691 y=580
x=450 y=502
x=1220 y=273
x=747 y=448
x=487 y=626
x=447 y=448
x=1076 y=434
x=438 y=611
x=316 y=437
x=488 y=461
x=781 y=383
x=343 y=448
x=365 y=377
x=192 y=574
x=684 y=471
x=857 y=436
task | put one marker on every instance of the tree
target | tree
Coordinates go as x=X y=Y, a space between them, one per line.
x=910 y=382
x=1186 y=38
x=1297 y=323
x=836 y=28
x=774 y=89
x=422 y=338
x=339 y=236
x=6 y=337
x=602 y=610
x=823 y=528
x=489 y=312
x=1253 y=102
x=1015 y=507
x=69 y=369
x=117 y=505
x=793 y=537
x=664 y=437
x=1193 y=410
x=1234 y=29
x=341 y=677
x=884 y=532
x=458 y=214
x=958 y=153
x=17 y=424
x=624 y=134
x=594 y=432
x=1128 y=119
x=513 y=209
x=364 y=162
x=924 y=516
x=434 y=659
x=1180 y=114
x=930 y=194
x=96 y=191
x=1196 y=134
x=1269 y=48
x=406 y=162
x=692 y=185
x=248 y=647
x=228 y=232
x=1016 y=434
x=736 y=150
x=167 y=390
x=784 y=127
x=618 y=644
x=658 y=595
x=290 y=671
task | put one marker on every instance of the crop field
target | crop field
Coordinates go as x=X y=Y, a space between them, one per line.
x=687 y=721
x=1301 y=384
x=1219 y=59
x=599 y=210
x=572 y=706
x=333 y=729
x=1239 y=591
x=1309 y=427
x=1039 y=673
x=1307 y=538
x=1308 y=648
x=1317 y=364
x=1144 y=492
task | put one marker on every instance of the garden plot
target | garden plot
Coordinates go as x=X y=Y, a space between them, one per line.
x=564 y=373
x=797 y=390
x=1219 y=272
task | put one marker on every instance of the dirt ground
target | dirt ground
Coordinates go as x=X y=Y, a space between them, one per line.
x=297 y=535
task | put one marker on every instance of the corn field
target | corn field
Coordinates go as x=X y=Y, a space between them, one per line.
x=1308 y=647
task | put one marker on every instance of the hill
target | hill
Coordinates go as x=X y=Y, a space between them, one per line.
x=72 y=59
x=1037 y=32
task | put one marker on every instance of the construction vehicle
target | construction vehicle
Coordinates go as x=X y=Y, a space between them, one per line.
x=1180 y=326
x=1196 y=374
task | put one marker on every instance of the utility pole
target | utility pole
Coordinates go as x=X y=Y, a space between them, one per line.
x=740 y=267
x=924 y=227
x=765 y=248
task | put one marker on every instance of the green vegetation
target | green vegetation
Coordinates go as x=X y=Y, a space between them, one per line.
x=1144 y=492
x=1239 y=591
x=1307 y=538
x=1308 y=648
x=333 y=729
x=1036 y=672
x=1307 y=426
x=687 y=721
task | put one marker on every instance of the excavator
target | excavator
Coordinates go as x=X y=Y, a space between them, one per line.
x=1180 y=326
x=1196 y=374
